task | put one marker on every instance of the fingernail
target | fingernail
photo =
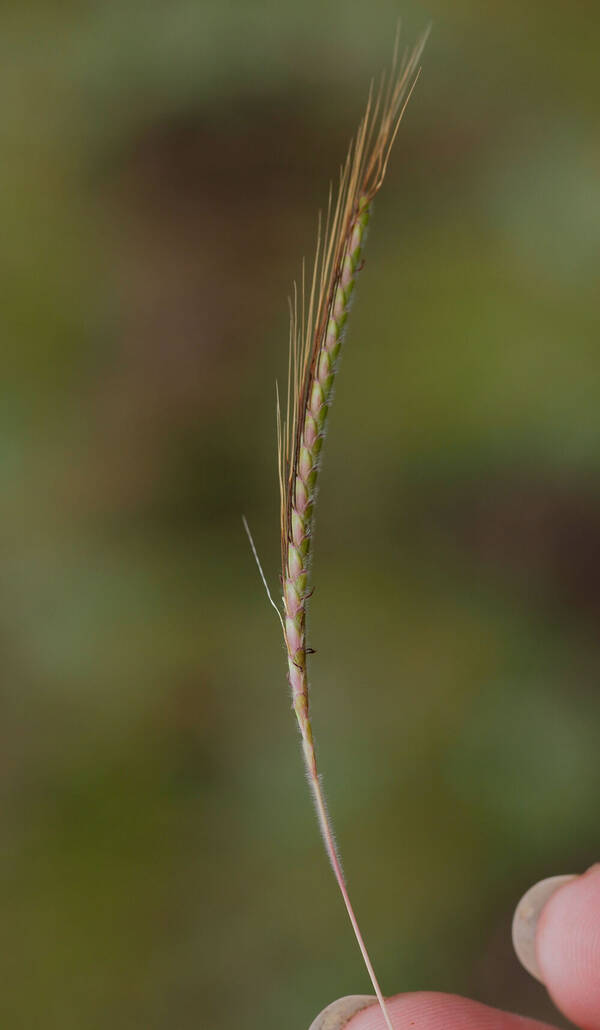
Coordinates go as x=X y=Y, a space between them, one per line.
x=340 y=1012
x=526 y=919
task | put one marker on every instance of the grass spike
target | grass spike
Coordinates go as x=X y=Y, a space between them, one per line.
x=317 y=328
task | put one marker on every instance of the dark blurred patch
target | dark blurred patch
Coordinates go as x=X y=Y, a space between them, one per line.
x=205 y=214
x=209 y=218
x=544 y=535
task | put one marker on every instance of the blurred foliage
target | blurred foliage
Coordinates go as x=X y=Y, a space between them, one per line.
x=162 y=168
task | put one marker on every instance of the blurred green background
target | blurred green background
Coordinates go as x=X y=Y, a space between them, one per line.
x=163 y=164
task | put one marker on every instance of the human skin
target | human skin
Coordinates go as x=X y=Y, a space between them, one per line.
x=567 y=944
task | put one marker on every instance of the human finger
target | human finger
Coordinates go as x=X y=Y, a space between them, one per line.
x=564 y=944
x=424 y=1010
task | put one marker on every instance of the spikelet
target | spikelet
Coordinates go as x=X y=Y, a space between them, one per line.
x=318 y=315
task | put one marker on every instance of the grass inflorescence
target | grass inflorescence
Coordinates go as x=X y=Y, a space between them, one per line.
x=318 y=315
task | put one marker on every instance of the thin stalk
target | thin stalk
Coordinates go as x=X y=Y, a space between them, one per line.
x=331 y=849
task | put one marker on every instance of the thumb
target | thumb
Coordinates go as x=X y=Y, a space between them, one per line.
x=423 y=1009
x=557 y=937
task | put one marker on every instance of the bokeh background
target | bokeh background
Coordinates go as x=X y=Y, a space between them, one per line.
x=162 y=167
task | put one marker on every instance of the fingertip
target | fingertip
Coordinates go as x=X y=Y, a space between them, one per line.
x=568 y=948
x=526 y=918
x=426 y=1010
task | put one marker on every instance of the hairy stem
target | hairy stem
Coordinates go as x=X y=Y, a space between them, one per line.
x=328 y=838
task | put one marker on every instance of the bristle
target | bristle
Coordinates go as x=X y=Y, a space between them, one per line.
x=361 y=178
